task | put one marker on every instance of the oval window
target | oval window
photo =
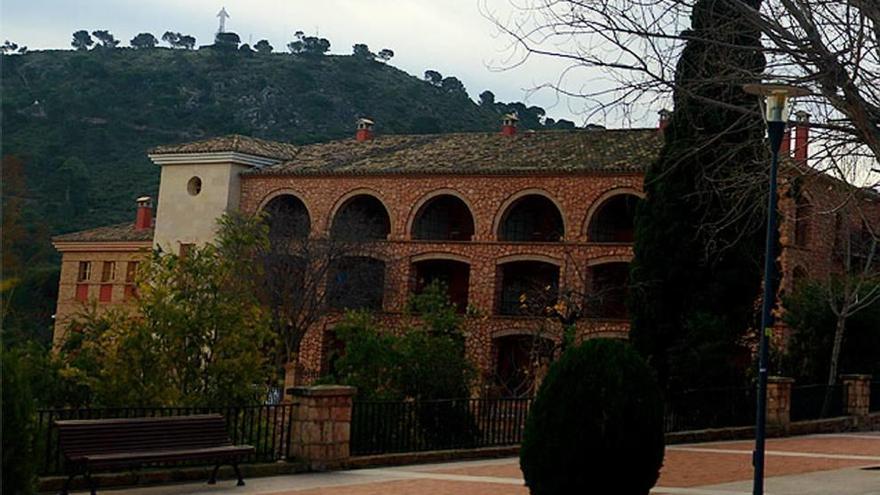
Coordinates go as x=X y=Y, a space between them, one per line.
x=194 y=186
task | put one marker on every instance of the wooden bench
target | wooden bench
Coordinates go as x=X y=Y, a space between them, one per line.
x=110 y=444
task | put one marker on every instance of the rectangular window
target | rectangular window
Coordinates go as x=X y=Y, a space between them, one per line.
x=106 y=294
x=82 y=292
x=108 y=271
x=85 y=271
x=131 y=272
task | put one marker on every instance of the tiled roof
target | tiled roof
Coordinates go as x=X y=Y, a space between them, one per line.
x=629 y=150
x=232 y=142
x=123 y=232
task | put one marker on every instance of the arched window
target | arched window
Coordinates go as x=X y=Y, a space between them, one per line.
x=287 y=217
x=532 y=218
x=608 y=290
x=527 y=288
x=443 y=218
x=356 y=282
x=803 y=211
x=614 y=219
x=454 y=275
x=362 y=217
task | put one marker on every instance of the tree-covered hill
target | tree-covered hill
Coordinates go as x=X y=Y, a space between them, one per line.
x=81 y=121
x=76 y=126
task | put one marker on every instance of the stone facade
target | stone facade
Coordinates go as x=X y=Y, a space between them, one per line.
x=577 y=198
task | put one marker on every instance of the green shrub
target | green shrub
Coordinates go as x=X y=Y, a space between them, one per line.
x=18 y=411
x=807 y=355
x=596 y=425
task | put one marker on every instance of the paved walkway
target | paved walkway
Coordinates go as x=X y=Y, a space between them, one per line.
x=840 y=464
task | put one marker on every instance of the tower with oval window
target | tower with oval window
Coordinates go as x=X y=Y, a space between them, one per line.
x=200 y=182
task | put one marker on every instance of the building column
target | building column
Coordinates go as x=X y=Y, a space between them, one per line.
x=321 y=425
x=856 y=394
x=779 y=402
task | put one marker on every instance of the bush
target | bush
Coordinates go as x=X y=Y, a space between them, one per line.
x=18 y=462
x=424 y=361
x=807 y=357
x=596 y=425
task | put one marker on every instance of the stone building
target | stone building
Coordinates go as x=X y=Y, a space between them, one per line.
x=98 y=266
x=492 y=215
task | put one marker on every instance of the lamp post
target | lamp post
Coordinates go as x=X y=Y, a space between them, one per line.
x=776 y=101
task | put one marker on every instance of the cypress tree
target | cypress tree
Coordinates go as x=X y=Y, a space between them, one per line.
x=696 y=274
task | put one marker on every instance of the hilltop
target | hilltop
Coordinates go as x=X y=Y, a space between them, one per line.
x=81 y=121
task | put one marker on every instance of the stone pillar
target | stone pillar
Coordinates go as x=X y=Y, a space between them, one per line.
x=321 y=429
x=856 y=394
x=779 y=402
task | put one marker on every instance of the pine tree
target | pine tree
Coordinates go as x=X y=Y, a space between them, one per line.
x=696 y=274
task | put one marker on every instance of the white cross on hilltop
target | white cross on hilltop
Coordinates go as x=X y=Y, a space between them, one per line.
x=223 y=15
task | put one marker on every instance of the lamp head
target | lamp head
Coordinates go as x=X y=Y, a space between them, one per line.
x=777 y=99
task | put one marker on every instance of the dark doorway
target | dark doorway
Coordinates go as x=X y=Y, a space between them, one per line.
x=532 y=218
x=609 y=283
x=614 y=220
x=520 y=360
x=362 y=218
x=287 y=217
x=527 y=288
x=444 y=218
x=356 y=282
x=454 y=275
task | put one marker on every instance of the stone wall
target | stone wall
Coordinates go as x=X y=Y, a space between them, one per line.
x=488 y=197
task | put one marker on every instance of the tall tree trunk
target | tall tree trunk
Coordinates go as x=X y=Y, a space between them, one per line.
x=290 y=369
x=835 y=358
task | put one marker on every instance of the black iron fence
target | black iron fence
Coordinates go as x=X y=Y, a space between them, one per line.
x=875 y=396
x=380 y=427
x=808 y=402
x=267 y=428
x=710 y=408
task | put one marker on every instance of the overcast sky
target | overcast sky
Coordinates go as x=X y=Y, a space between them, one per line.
x=450 y=36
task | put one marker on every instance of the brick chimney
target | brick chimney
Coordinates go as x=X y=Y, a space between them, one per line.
x=508 y=124
x=801 y=137
x=364 y=129
x=785 y=146
x=665 y=117
x=144 y=218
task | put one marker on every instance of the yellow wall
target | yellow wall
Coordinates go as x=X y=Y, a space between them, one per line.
x=182 y=218
x=68 y=306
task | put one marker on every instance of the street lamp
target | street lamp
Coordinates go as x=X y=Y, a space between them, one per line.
x=776 y=99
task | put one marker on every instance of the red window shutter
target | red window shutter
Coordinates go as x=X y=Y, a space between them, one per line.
x=130 y=292
x=82 y=292
x=106 y=294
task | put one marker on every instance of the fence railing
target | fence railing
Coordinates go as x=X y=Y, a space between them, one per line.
x=380 y=427
x=710 y=408
x=875 y=397
x=807 y=402
x=266 y=427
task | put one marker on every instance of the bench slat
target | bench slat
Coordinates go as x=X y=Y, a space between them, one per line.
x=123 y=458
